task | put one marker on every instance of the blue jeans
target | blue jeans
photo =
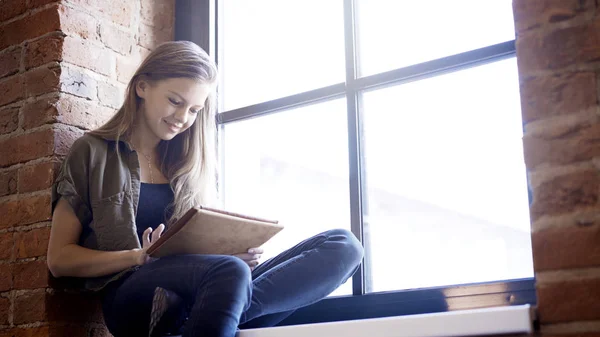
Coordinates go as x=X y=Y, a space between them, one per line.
x=221 y=293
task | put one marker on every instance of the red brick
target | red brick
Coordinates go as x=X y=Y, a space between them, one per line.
x=533 y=14
x=38 y=3
x=140 y=53
x=7 y=251
x=31 y=26
x=158 y=14
x=576 y=143
x=11 y=90
x=42 y=331
x=75 y=111
x=37 y=177
x=565 y=194
x=557 y=94
x=24 y=211
x=43 y=111
x=559 y=48
x=116 y=39
x=34 y=146
x=4 y=310
x=119 y=11
x=126 y=66
x=9 y=120
x=64 y=138
x=35 y=209
x=8 y=182
x=30 y=275
x=77 y=82
x=70 y=110
x=40 y=112
x=575 y=300
x=8 y=332
x=26 y=147
x=87 y=55
x=65 y=109
x=104 y=114
x=110 y=95
x=30 y=308
x=78 y=23
x=44 y=50
x=15 y=8
x=32 y=243
x=6 y=277
x=569 y=247
x=151 y=37
x=10 y=61
x=10 y=214
x=42 y=80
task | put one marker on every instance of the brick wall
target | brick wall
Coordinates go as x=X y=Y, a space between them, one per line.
x=63 y=69
x=558 y=53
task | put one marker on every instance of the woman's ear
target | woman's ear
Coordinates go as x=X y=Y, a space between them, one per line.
x=141 y=88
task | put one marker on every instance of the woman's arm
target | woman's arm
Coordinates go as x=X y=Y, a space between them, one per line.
x=67 y=258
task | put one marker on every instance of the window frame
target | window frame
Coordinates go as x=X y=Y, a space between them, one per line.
x=198 y=21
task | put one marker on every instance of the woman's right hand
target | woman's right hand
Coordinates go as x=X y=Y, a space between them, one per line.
x=148 y=238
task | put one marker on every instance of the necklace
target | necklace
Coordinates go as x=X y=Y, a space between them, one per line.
x=149 y=160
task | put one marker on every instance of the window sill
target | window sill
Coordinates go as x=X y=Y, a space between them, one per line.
x=476 y=322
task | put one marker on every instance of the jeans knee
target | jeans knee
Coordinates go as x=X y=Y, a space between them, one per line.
x=231 y=267
x=233 y=277
x=350 y=249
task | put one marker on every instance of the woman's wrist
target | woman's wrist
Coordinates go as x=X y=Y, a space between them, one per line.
x=136 y=256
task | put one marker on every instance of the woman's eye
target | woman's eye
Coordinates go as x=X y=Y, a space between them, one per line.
x=174 y=101
x=194 y=111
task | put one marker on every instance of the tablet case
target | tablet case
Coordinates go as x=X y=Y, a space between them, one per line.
x=204 y=230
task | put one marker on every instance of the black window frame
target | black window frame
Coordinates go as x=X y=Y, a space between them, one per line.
x=197 y=21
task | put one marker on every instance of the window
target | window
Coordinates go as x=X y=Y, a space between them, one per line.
x=445 y=180
x=399 y=120
x=267 y=171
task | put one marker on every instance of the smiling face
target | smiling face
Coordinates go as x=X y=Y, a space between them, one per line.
x=169 y=107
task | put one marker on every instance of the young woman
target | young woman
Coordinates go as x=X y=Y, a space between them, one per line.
x=124 y=183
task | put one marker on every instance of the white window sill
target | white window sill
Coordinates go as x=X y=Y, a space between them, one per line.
x=476 y=322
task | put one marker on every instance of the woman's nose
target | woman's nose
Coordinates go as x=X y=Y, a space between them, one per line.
x=181 y=115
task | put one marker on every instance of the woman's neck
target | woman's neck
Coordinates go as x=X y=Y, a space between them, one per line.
x=143 y=140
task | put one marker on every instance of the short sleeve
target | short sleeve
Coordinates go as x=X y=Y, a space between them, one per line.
x=72 y=183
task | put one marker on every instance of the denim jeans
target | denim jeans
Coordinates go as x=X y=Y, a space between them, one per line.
x=221 y=294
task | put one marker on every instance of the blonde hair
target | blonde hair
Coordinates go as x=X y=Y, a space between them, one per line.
x=189 y=160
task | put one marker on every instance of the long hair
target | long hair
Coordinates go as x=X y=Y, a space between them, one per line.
x=189 y=160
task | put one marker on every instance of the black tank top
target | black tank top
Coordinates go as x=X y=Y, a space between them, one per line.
x=152 y=207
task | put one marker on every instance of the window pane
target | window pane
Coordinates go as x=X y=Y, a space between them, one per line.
x=273 y=48
x=290 y=166
x=395 y=34
x=447 y=198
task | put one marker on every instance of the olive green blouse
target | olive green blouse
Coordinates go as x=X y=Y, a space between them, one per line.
x=103 y=188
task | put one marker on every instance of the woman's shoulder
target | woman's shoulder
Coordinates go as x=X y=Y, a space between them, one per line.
x=88 y=145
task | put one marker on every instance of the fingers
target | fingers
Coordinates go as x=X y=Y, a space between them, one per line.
x=257 y=250
x=149 y=236
x=248 y=257
x=146 y=237
x=157 y=233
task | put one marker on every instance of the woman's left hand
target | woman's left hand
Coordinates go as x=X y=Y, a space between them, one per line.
x=251 y=257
